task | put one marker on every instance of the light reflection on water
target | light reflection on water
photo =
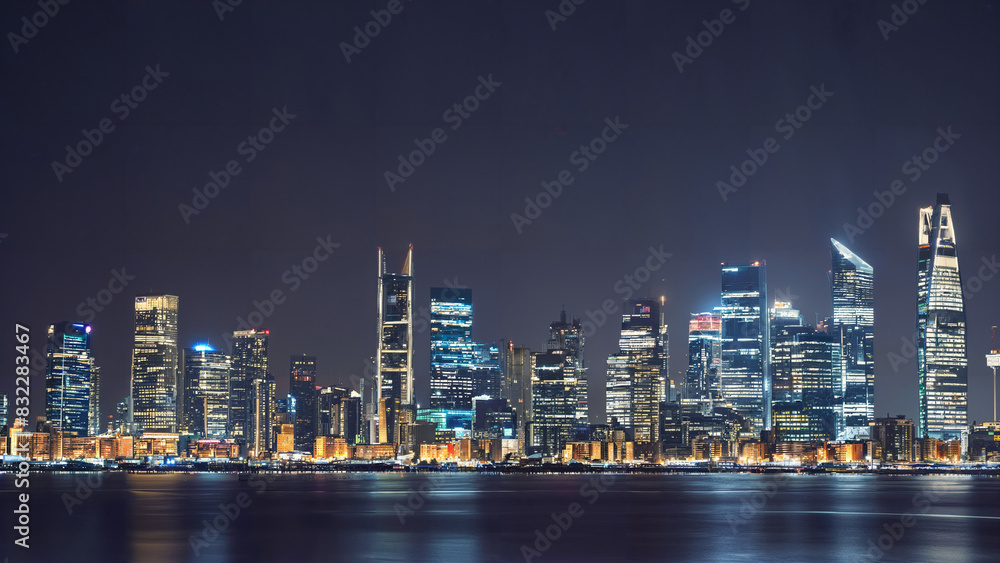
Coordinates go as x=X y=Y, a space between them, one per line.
x=467 y=517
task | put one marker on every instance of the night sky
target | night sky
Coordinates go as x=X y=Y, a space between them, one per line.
x=215 y=83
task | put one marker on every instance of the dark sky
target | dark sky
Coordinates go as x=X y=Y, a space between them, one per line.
x=323 y=175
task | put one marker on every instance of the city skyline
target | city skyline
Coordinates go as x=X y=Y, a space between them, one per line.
x=677 y=146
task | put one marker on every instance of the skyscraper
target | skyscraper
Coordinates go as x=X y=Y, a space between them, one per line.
x=302 y=386
x=942 y=361
x=262 y=435
x=452 y=348
x=568 y=336
x=249 y=365
x=704 y=359
x=635 y=372
x=806 y=384
x=553 y=401
x=394 y=355
x=516 y=365
x=205 y=396
x=852 y=285
x=154 y=364
x=94 y=417
x=744 y=376
x=67 y=377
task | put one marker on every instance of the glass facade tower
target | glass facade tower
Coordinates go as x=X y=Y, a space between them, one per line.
x=852 y=285
x=942 y=361
x=452 y=348
x=67 y=377
x=154 y=364
x=744 y=375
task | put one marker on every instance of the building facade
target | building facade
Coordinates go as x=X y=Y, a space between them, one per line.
x=68 y=365
x=452 y=348
x=744 y=376
x=852 y=285
x=155 y=363
x=302 y=386
x=205 y=392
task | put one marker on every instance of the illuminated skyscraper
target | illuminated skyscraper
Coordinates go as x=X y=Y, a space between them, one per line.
x=94 y=417
x=852 y=284
x=452 y=348
x=205 y=396
x=635 y=373
x=806 y=368
x=394 y=360
x=744 y=375
x=67 y=377
x=516 y=365
x=154 y=364
x=553 y=401
x=302 y=386
x=249 y=365
x=786 y=322
x=262 y=435
x=568 y=336
x=704 y=359
x=942 y=362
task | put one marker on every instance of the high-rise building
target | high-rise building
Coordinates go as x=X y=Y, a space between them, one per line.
x=744 y=375
x=262 y=436
x=893 y=439
x=3 y=413
x=553 y=401
x=704 y=359
x=486 y=376
x=452 y=348
x=516 y=365
x=67 y=377
x=942 y=361
x=394 y=356
x=94 y=418
x=786 y=322
x=302 y=386
x=806 y=384
x=121 y=422
x=635 y=372
x=205 y=392
x=852 y=285
x=249 y=365
x=328 y=410
x=154 y=364
x=568 y=337
x=350 y=418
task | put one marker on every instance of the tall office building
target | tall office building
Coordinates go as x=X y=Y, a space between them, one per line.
x=486 y=375
x=94 y=418
x=452 y=348
x=852 y=285
x=262 y=438
x=704 y=358
x=394 y=356
x=516 y=367
x=744 y=376
x=635 y=372
x=806 y=384
x=302 y=386
x=553 y=401
x=249 y=365
x=568 y=336
x=3 y=413
x=328 y=411
x=205 y=392
x=154 y=364
x=67 y=377
x=785 y=323
x=942 y=361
